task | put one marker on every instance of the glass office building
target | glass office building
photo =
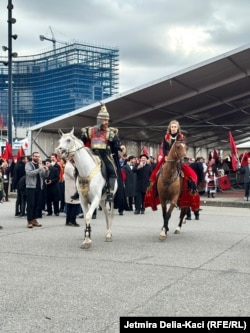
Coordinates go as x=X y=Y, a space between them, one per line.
x=53 y=83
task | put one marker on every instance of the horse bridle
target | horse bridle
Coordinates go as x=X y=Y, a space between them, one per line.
x=70 y=152
x=175 y=152
x=178 y=171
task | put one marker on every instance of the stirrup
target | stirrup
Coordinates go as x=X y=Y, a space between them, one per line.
x=75 y=196
x=110 y=197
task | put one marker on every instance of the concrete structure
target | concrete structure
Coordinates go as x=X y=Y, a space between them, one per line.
x=208 y=102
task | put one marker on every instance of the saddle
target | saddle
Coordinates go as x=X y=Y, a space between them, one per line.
x=103 y=170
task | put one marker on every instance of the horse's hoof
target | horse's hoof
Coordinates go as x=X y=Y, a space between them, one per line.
x=162 y=236
x=108 y=237
x=177 y=231
x=86 y=245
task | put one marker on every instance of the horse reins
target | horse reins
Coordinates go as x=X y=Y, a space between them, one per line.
x=178 y=173
x=175 y=153
x=74 y=151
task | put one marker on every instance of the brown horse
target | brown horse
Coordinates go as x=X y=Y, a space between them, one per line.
x=169 y=185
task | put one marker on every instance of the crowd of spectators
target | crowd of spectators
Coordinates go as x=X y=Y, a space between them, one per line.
x=54 y=200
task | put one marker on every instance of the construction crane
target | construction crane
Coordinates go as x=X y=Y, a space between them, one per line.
x=53 y=40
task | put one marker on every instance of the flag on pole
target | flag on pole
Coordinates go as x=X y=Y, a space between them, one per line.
x=20 y=153
x=144 y=151
x=243 y=159
x=7 y=153
x=25 y=143
x=234 y=151
x=160 y=154
x=232 y=144
x=213 y=155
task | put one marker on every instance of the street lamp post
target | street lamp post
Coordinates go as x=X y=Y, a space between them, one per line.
x=10 y=56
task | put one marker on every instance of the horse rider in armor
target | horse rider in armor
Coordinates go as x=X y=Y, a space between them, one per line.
x=104 y=142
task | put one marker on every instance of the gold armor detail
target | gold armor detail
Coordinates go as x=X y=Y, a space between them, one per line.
x=110 y=133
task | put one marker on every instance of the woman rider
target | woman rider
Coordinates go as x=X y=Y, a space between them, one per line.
x=173 y=134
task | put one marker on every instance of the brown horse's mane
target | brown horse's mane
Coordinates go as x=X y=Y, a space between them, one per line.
x=173 y=149
x=170 y=171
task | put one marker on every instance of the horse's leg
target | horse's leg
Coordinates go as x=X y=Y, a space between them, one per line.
x=166 y=214
x=163 y=234
x=87 y=242
x=109 y=213
x=166 y=217
x=183 y=213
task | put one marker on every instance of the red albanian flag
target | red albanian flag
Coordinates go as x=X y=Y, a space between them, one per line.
x=7 y=153
x=234 y=151
x=20 y=153
x=145 y=151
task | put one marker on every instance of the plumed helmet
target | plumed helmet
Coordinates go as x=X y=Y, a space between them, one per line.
x=103 y=113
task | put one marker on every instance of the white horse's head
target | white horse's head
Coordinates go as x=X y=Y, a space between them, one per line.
x=62 y=134
x=67 y=144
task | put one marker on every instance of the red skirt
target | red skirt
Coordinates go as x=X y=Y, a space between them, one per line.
x=189 y=194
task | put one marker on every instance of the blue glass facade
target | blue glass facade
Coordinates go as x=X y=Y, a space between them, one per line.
x=59 y=81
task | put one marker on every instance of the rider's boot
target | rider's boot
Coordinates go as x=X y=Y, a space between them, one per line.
x=197 y=215
x=188 y=214
x=110 y=194
x=75 y=196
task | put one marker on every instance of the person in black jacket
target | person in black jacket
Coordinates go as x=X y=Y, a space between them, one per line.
x=143 y=172
x=130 y=181
x=52 y=190
x=2 y=193
x=246 y=171
x=21 y=194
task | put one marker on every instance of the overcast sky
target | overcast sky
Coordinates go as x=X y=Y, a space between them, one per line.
x=156 y=38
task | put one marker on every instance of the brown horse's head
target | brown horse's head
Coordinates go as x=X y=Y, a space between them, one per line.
x=178 y=150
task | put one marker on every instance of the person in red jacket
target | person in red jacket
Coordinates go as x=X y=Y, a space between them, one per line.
x=173 y=134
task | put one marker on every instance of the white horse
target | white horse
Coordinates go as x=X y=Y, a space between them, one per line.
x=90 y=183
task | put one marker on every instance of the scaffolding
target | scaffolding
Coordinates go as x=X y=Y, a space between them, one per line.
x=56 y=82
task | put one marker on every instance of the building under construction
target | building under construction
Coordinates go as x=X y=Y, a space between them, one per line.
x=56 y=82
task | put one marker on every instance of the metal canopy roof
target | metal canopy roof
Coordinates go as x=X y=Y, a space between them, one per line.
x=209 y=100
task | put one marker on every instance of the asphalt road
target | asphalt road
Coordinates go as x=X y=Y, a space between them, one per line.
x=49 y=284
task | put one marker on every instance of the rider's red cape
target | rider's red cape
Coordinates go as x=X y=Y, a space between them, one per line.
x=189 y=196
